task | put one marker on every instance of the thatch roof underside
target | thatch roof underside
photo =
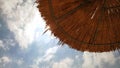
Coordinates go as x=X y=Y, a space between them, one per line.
x=85 y=25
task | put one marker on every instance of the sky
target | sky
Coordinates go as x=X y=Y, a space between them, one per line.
x=23 y=44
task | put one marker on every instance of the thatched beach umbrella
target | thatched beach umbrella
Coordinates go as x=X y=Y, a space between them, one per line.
x=85 y=25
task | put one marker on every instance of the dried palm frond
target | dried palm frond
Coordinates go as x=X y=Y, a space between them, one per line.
x=85 y=25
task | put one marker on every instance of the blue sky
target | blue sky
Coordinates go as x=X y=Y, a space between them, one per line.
x=23 y=44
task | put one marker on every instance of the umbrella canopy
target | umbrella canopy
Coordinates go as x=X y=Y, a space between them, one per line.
x=85 y=25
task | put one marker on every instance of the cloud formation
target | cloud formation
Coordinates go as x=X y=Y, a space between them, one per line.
x=20 y=61
x=22 y=18
x=4 y=60
x=65 y=63
x=49 y=54
x=6 y=43
x=98 y=60
x=1 y=44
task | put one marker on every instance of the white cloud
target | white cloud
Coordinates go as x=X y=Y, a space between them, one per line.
x=10 y=42
x=93 y=60
x=20 y=62
x=5 y=59
x=5 y=45
x=23 y=19
x=49 y=54
x=34 y=66
x=65 y=63
x=1 y=44
x=88 y=60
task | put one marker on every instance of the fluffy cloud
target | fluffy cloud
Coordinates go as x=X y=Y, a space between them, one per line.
x=65 y=63
x=49 y=54
x=23 y=19
x=88 y=60
x=5 y=44
x=97 y=60
x=5 y=60
x=20 y=62
x=1 y=44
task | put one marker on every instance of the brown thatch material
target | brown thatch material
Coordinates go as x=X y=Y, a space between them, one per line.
x=85 y=25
